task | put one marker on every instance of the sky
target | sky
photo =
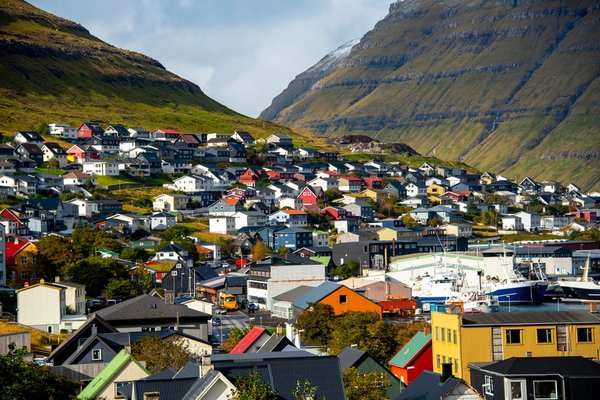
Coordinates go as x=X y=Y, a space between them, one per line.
x=241 y=53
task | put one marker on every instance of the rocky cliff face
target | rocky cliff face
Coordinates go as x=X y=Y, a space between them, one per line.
x=509 y=86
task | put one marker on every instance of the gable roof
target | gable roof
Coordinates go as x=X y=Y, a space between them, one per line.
x=565 y=366
x=410 y=350
x=428 y=386
x=530 y=318
x=350 y=357
x=248 y=340
x=106 y=376
x=316 y=294
x=293 y=294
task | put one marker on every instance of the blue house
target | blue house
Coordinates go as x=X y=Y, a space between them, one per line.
x=293 y=238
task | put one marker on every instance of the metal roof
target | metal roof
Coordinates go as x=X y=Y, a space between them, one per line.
x=410 y=350
x=565 y=366
x=318 y=293
x=530 y=318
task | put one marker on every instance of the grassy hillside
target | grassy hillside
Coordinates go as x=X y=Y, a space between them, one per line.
x=505 y=86
x=54 y=70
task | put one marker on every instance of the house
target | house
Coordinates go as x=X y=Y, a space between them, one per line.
x=165 y=135
x=82 y=153
x=529 y=220
x=458 y=230
x=243 y=219
x=351 y=184
x=561 y=377
x=498 y=336
x=31 y=151
x=225 y=225
x=243 y=137
x=152 y=159
x=433 y=386
x=415 y=189
x=365 y=364
x=312 y=195
x=89 y=129
x=122 y=369
x=251 y=176
x=292 y=238
x=176 y=166
x=225 y=207
x=138 y=132
x=13 y=222
x=279 y=139
x=104 y=143
x=150 y=313
x=43 y=306
x=64 y=131
x=290 y=218
x=283 y=370
x=101 y=167
x=76 y=178
x=117 y=130
x=252 y=342
x=335 y=212
x=74 y=295
x=160 y=221
x=29 y=137
x=360 y=209
x=413 y=358
x=53 y=151
x=21 y=262
x=339 y=297
x=170 y=202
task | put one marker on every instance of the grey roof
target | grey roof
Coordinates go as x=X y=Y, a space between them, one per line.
x=145 y=307
x=428 y=387
x=200 y=385
x=282 y=370
x=275 y=343
x=350 y=357
x=169 y=389
x=531 y=318
x=319 y=292
x=565 y=366
x=293 y=294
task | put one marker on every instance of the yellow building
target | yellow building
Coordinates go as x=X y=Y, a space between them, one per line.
x=467 y=338
x=436 y=190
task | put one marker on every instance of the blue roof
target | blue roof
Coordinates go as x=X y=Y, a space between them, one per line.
x=318 y=293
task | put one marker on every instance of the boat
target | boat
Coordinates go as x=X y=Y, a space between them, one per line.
x=437 y=288
x=517 y=289
x=475 y=303
x=583 y=287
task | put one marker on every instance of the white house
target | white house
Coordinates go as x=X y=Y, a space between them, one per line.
x=170 y=202
x=84 y=208
x=160 y=221
x=324 y=183
x=249 y=218
x=413 y=190
x=512 y=223
x=531 y=221
x=223 y=224
x=65 y=131
x=290 y=202
x=191 y=184
x=552 y=222
x=76 y=178
x=101 y=167
x=74 y=295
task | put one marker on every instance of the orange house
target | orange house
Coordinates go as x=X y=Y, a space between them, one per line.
x=340 y=297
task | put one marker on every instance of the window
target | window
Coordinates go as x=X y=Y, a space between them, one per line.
x=438 y=361
x=544 y=335
x=174 y=273
x=488 y=387
x=343 y=299
x=23 y=259
x=546 y=390
x=97 y=354
x=24 y=275
x=513 y=336
x=49 y=329
x=454 y=336
x=437 y=333
x=456 y=365
x=516 y=390
x=584 y=335
x=443 y=334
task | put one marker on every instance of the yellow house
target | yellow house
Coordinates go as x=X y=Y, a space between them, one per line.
x=436 y=190
x=467 y=338
x=375 y=195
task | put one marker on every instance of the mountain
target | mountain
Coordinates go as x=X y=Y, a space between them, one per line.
x=506 y=86
x=54 y=70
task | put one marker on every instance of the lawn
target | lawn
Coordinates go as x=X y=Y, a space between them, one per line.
x=106 y=180
x=40 y=340
x=53 y=171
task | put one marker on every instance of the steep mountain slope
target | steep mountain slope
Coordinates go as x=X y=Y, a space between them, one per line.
x=509 y=86
x=54 y=70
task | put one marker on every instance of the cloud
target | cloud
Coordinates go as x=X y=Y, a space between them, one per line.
x=241 y=53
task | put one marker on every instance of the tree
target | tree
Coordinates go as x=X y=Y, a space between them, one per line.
x=235 y=335
x=159 y=354
x=95 y=272
x=175 y=232
x=409 y=221
x=435 y=221
x=305 y=391
x=316 y=321
x=283 y=250
x=252 y=387
x=20 y=379
x=369 y=386
x=259 y=251
x=351 y=268
x=120 y=289
x=131 y=254
x=52 y=163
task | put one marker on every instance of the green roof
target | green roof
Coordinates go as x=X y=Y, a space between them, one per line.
x=108 y=252
x=321 y=259
x=106 y=376
x=410 y=350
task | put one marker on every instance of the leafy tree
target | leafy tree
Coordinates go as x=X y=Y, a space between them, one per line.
x=305 y=391
x=435 y=221
x=369 y=386
x=409 y=221
x=259 y=251
x=316 y=321
x=95 y=272
x=131 y=254
x=333 y=194
x=284 y=250
x=159 y=354
x=235 y=335
x=252 y=387
x=351 y=268
x=20 y=379
x=52 y=163
x=54 y=252
x=472 y=210
x=175 y=232
x=120 y=289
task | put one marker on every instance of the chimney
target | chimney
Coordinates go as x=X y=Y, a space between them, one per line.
x=94 y=330
x=426 y=331
x=206 y=365
x=57 y=279
x=446 y=372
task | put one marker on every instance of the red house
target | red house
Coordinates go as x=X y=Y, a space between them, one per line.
x=587 y=215
x=310 y=195
x=80 y=154
x=335 y=212
x=15 y=223
x=251 y=176
x=252 y=341
x=373 y=183
x=89 y=129
x=415 y=357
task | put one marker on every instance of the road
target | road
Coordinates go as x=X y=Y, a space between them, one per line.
x=235 y=319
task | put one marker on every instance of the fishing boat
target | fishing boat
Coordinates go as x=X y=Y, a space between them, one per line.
x=475 y=303
x=583 y=287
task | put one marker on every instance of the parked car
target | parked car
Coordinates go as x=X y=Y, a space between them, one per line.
x=220 y=311
x=216 y=321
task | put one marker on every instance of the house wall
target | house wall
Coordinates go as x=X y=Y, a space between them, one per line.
x=423 y=361
x=287 y=277
x=41 y=307
x=131 y=372
x=354 y=302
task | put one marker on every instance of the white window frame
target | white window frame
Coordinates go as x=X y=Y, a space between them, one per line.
x=545 y=398
x=96 y=354
x=488 y=387
x=508 y=391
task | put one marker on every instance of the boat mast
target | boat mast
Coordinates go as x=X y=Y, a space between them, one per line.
x=586 y=267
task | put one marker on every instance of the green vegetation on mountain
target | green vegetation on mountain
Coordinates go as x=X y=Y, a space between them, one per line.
x=506 y=86
x=54 y=71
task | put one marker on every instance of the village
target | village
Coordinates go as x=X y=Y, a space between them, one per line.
x=225 y=245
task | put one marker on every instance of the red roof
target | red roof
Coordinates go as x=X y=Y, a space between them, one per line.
x=248 y=340
x=12 y=249
x=294 y=212
x=232 y=201
x=169 y=131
